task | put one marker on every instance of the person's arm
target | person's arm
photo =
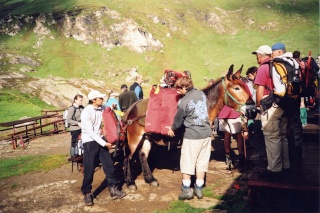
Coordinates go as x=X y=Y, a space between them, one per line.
x=178 y=119
x=87 y=125
x=177 y=122
x=120 y=103
x=137 y=91
x=259 y=94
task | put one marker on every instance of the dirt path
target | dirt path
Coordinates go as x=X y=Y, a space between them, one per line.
x=59 y=190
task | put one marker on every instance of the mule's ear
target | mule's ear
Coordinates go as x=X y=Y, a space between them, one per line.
x=229 y=74
x=238 y=73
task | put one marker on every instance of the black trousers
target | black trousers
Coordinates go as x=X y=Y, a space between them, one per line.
x=74 y=137
x=295 y=131
x=93 y=150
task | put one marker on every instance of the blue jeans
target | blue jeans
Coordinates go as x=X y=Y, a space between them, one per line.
x=92 y=151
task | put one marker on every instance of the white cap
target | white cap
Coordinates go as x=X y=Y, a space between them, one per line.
x=95 y=94
x=264 y=49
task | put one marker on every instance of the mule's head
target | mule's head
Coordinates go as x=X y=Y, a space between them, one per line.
x=229 y=90
x=236 y=92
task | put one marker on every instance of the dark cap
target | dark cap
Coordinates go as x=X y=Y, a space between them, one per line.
x=124 y=86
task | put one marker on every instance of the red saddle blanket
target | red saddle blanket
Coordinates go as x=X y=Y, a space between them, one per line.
x=111 y=126
x=162 y=108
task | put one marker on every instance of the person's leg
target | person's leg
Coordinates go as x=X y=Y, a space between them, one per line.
x=303 y=112
x=239 y=140
x=258 y=139
x=284 y=143
x=295 y=146
x=89 y=154
x=108 y=168
x=227 y=142
x=202 y=165
x=293 y=113
x=187 y=166
x=270 y=121
x=74 y=140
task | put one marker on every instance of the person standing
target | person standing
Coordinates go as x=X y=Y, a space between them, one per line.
x=305 y=90
x=113 y=102
x=292 y=110
x=273 y=120
x=126 y=98
x=192 y=113
x=136 y=87
x=96 y=147
x=74 y=120
x=251 y=75
x=256 y=138
x=230 y=124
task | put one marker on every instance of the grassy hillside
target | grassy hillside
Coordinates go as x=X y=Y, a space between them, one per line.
x=240 y=27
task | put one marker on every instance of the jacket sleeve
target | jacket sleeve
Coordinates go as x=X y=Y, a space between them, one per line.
x=137 y=91
x=178 y=119
x=70 y=120
x=87 y=127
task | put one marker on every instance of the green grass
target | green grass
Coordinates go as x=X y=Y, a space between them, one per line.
x=21 y=165
x=181 y=207
x=15 y=105
x=193 y=45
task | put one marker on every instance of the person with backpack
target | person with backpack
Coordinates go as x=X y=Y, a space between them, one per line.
x=291 y=107
x=273 y=120
x=136 y=87
x=74 y=122
x=303 y=69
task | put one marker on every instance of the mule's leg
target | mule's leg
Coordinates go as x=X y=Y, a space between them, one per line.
x=143 y=156
x=128 y=173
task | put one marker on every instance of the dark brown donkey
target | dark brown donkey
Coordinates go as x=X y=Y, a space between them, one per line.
x=229 y=90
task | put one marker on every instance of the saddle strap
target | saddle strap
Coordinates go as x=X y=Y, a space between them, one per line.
x=130 y=121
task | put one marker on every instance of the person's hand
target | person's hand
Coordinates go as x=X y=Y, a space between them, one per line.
x=79 y=124
x=170 y=131
x=245 y=135
x=114 y=106
x=110 y=146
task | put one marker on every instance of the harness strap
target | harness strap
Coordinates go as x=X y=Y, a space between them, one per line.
x=226 y=94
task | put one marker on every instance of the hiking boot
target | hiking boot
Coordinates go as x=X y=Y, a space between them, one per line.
x=198 y=191
x=88 y=199
x=186 y=193
x=115 y=193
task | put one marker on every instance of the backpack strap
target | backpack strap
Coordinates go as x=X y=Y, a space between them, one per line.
x=74 y=112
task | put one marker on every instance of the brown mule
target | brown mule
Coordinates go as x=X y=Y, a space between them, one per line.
x=229 y=90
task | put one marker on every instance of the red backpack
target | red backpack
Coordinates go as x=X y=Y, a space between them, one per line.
x=112 y=128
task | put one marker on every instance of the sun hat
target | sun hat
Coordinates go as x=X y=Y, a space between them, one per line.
x=95 y=94
x=264 y=49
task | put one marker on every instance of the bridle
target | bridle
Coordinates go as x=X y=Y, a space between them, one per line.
x=228 y=94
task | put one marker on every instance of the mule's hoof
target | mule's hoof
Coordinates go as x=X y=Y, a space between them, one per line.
x=132 y=187
x=154 y=183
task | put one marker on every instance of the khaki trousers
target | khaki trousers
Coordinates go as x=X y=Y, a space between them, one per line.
x=274 y=127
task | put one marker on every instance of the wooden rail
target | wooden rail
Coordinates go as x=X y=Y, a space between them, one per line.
x=26 y=129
